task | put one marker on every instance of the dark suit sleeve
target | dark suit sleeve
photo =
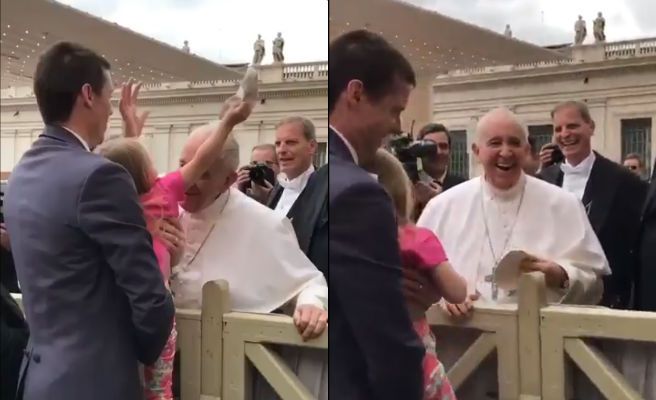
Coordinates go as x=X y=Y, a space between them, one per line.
x=634 y=194
x=365 y=275
x=109 y=213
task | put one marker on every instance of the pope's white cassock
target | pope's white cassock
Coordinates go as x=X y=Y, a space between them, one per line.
x=533 y=216
x=256 y=251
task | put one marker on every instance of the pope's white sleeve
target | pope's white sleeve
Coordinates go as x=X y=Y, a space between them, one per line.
x=316 y=294
x=316 y=291
x=584 y=262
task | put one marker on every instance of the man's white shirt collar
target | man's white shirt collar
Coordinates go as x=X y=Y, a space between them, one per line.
x=583 y=168
x=297 y=183
x=84 y=143
x=347 y=143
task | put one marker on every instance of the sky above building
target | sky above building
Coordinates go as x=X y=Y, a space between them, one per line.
x=223 y=30
x=549 y=22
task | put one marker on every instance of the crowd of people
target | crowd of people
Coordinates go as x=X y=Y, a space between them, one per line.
x=582 y=220
x=104 y=248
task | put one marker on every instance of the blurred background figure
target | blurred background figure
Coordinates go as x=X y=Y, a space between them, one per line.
x=635 y=164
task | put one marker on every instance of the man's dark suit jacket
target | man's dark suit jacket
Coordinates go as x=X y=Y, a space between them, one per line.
x=374 y=351
x=13 y=339
x=613 y=198
x=646 y=272
x=93 y=293
x=451 y=180
x=309 y=217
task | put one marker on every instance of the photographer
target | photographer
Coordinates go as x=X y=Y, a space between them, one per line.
x=436 y=176
x=259 y=177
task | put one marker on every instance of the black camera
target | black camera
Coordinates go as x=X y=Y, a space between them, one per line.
x=557 y=155
x=412 y=153
x=259 y=173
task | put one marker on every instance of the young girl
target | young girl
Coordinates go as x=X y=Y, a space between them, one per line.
x=160 y=197
x=421 y=250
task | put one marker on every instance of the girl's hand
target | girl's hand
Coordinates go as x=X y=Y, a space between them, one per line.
x=128 y=107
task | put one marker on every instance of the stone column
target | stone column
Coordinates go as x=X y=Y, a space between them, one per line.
x=420 y=105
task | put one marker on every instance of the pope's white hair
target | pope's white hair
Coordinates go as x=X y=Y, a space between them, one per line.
x=230 y=153
x=496 y=115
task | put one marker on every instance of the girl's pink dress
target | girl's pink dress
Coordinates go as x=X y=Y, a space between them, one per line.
x=420 y=249
x=162 y=202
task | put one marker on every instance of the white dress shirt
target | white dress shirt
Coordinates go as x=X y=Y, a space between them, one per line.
x=347 y=143
x=575 y=178
x=292 y=188
x=84 y=143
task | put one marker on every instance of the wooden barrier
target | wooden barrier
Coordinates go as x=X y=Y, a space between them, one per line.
x=217 y=348
x=533 y=341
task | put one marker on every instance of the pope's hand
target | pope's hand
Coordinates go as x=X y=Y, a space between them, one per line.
x=554 y=275
x=310 y=321
x=235 y=111
x=462 y=310
x=170 y=232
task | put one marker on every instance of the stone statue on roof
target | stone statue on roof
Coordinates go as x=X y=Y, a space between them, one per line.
x=599 y=25
x=278 y=45
x=508 y=31
x=580 y=31
x=185 y=48
x=258 y=48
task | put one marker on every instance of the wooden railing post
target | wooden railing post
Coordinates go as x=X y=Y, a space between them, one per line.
x=216 y=303
x=532 y=297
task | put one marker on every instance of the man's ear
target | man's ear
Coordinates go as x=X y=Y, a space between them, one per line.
x=475 y=149
x=231 y=178
x=354 y=91
x=87 y=95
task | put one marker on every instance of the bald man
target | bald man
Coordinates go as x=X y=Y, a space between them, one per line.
x=481 y=220
x=233 y=237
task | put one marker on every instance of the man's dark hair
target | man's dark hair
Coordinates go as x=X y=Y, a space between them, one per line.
x=369 y=58
x=434 y=128
x=60 y=74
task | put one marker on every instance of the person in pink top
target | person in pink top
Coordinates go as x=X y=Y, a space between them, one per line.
x=160 y=197
x=422 y=251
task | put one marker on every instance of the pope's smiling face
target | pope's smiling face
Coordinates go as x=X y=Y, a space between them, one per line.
x=501 y=148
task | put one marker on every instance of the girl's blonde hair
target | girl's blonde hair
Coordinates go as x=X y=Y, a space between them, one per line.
x=394 y=179
x=131 y=155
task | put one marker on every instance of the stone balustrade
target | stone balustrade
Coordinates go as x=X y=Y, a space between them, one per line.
x=269 y=74
x=579 y=54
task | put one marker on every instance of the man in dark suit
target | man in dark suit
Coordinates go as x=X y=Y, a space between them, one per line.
x=93 y=294
x=646 y=273
x=13 y=339
x=301 y=193
x=437 y=167
x=374 y=352
x=612 y=196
